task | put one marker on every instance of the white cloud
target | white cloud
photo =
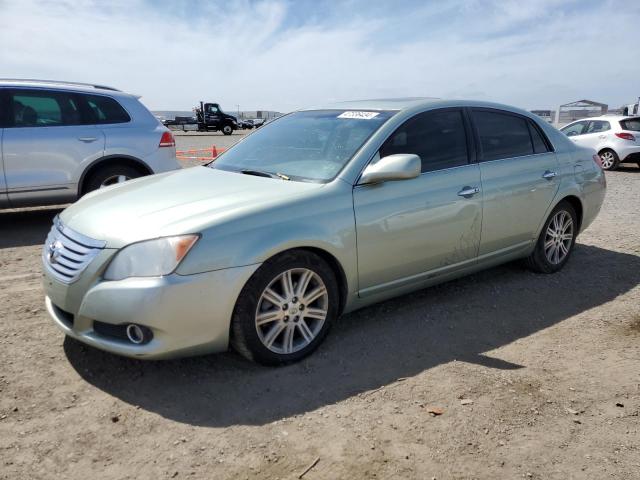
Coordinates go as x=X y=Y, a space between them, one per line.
x=535 y=54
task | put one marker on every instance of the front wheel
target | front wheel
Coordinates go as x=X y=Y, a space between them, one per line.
x=556 y=241
x=285 y=309
x=227 y=129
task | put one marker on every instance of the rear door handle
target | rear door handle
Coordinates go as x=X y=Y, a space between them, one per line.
x=468 y=192
x=549 y=174
x=87 y=139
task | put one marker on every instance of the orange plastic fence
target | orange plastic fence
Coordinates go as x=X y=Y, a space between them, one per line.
x=212 y=153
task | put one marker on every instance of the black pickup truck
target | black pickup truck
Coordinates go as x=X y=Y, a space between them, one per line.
x=211 y=117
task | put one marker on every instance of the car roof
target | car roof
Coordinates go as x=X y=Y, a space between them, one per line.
x=61 y=85
x=607 y=118
x=416 y=104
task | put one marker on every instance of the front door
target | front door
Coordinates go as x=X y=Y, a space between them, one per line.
x=408 y=230
x=44 y=145
x=519 y=179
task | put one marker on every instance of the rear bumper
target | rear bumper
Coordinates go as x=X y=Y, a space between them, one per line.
x=629 y=154
x=188 y=314
x=632 y=157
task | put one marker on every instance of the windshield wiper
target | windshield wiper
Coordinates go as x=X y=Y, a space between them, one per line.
x=260 y=173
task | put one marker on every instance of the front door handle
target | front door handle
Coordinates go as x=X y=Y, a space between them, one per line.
x=468 y=192
x=549 y=174
x=87 y=139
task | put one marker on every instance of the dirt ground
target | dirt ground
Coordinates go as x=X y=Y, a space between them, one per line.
x=537 y=377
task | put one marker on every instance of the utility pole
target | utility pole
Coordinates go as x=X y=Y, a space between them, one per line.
x=237 y=105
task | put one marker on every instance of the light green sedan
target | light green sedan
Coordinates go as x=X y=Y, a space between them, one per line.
x=316 y=214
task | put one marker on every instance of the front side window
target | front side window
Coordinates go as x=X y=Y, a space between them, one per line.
x=306 y=146
x=38 y=108
x=598 y=126
x=574 y=129
x=104 y=110
x=502 y=135
x=437 y=137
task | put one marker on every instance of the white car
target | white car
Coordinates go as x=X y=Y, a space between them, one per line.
x=615 y=138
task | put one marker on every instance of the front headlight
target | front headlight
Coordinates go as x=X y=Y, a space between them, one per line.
x=150 y=258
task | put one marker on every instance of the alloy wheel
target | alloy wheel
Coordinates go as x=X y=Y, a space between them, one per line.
x=112 y=180
x=559 y=237
x=608 y=159
x=292 y=310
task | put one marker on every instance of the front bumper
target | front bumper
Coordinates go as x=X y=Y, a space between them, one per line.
x=188 y=314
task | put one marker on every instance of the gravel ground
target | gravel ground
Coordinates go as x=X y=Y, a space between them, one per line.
x=531 y=376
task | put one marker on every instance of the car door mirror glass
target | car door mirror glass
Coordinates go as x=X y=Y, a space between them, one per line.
x=400 y=166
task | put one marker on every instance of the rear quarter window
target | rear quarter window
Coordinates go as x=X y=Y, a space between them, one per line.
x=104 y=110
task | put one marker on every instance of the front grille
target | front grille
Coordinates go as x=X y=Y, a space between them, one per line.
x=67 y=253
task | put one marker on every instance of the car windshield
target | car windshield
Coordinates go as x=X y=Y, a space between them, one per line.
x=306 y=146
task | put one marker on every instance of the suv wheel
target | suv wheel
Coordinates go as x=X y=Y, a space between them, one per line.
x=609 y=159
x=110 y=175
x=556 y=241
x=285 y=309
x=227 y=129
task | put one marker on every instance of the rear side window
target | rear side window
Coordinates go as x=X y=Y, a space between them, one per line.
x=101 y=110
x=437 y=137
x=502 y=135
x=632 y=124
x=598 y=126
x=41 y=108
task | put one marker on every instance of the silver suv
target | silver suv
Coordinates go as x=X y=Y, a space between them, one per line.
x=60 y=140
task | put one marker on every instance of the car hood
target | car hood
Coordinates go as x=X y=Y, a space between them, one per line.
x=184 y=201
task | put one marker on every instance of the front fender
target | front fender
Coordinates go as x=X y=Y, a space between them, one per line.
x=324 y=221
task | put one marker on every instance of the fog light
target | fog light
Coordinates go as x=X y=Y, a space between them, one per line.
x=135 y=334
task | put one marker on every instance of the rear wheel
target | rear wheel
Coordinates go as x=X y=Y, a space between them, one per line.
x=609 y=159
x=556 y=241
x=285 y=310
x=110 y=175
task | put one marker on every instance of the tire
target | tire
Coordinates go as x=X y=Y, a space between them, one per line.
x=110 y=175
x=227 y=129
x=543 y=259
x=609 y=158
x=289 y=329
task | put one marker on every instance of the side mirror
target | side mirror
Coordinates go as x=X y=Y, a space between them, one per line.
x=401 y=166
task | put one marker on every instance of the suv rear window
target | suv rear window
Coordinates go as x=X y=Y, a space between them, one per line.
x=632 y=124
x=101 y=110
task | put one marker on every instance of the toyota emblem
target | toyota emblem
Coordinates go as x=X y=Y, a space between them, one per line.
x=53 y=252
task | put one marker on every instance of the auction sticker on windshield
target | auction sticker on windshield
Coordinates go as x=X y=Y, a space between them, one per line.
x=359 y=115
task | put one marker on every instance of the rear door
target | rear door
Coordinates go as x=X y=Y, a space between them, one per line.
x=596 y=134
x=519 y=179
x=411 y=230
x=46 y=146
x=4 y=198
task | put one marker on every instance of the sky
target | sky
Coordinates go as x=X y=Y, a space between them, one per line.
x=286 y=54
